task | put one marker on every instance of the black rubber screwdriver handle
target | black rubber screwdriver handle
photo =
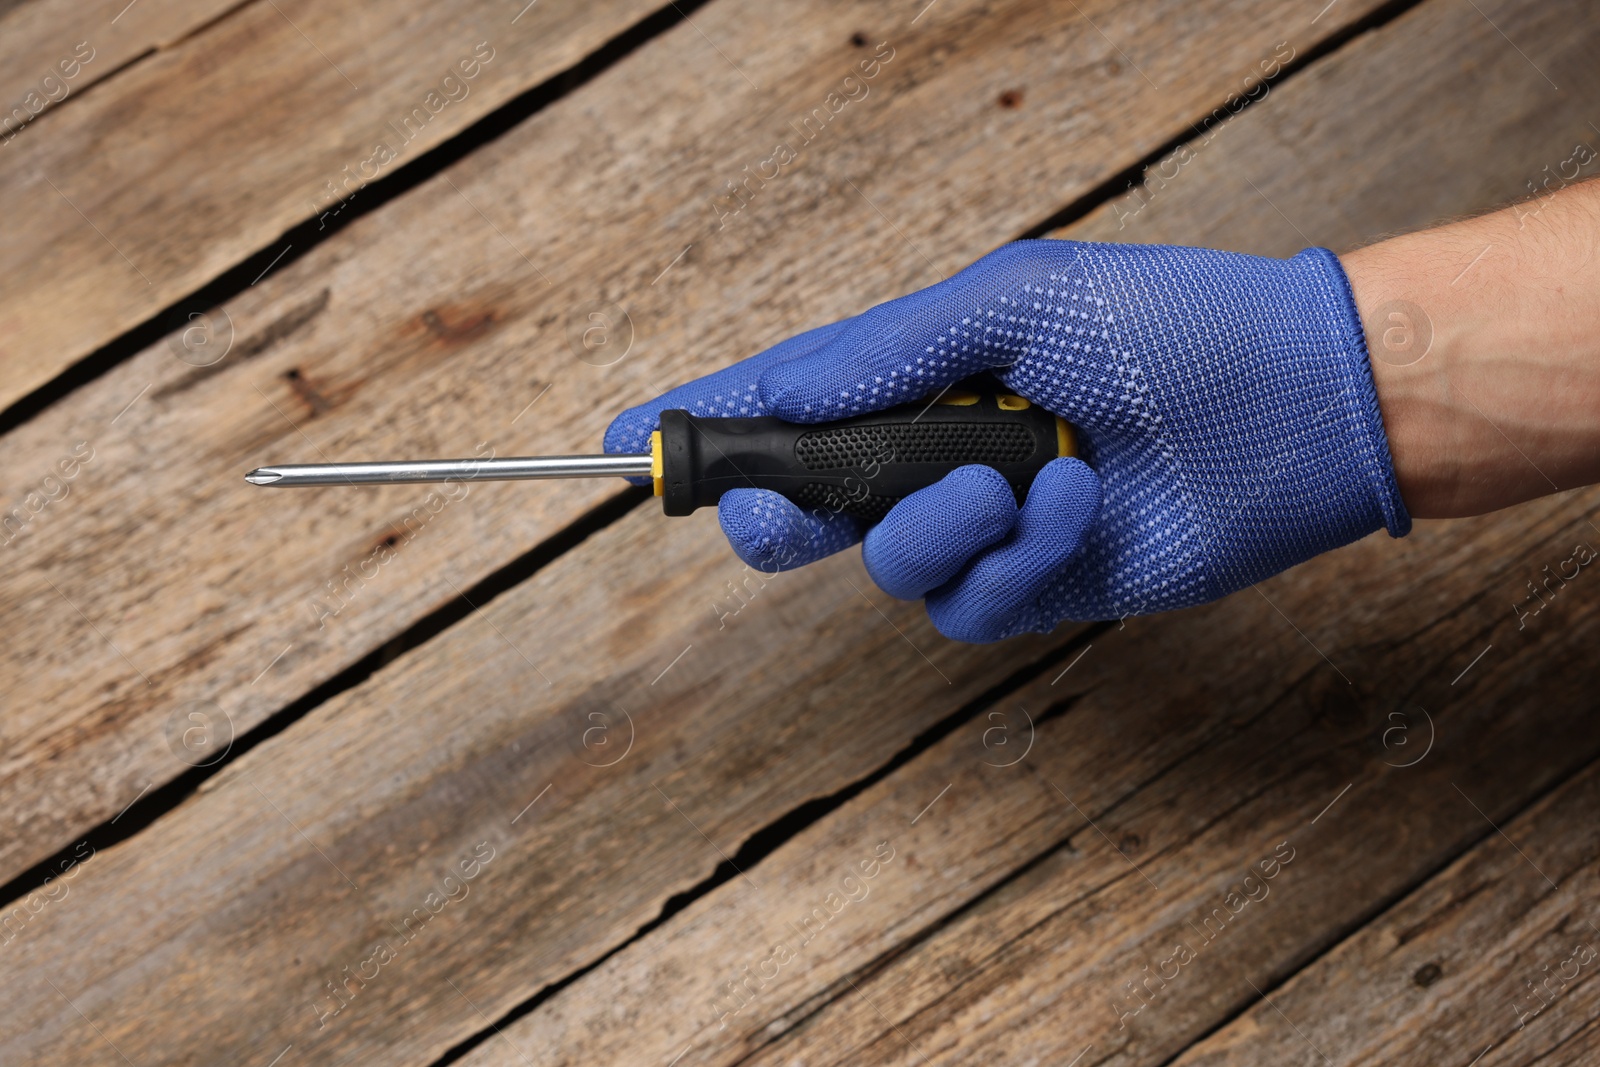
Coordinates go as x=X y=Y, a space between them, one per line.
x=859 y=466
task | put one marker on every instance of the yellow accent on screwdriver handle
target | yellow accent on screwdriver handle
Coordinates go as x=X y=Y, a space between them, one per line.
x=656 y=468
x=1066 y=438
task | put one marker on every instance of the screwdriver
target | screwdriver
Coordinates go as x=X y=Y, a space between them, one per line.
x=858 y=466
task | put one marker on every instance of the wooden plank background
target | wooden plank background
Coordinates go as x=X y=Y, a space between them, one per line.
x=669 y=760
x=137 y=194
x=425 y=330
x=43 y=55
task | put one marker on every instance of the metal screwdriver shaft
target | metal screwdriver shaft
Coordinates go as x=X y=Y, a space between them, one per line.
x=859 y=466
x=452 y=470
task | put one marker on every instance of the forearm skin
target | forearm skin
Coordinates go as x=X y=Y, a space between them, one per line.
x=1484 y=337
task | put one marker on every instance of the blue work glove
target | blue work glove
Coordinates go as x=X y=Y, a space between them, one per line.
x=1224 y=405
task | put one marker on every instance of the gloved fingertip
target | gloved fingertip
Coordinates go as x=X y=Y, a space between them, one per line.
x=927 y=537
x=630 y=432
x=1070 y=493
x=995 y=596
x=959 y=625
x=771 y=533
x=992 y=503
x=849 y=375
x=782 y=389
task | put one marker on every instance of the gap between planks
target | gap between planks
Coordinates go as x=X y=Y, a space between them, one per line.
x=774 y=835
x=1344 y=934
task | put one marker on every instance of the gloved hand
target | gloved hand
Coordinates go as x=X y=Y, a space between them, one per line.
x=1224 y=405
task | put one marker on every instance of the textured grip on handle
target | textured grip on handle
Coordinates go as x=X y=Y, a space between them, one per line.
x=860 y=466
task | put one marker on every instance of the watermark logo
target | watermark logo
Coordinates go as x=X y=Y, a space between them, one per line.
x=338 y=992
x=1552 y=583
x=852 y=887
x=600 y=333
x=54 y=486
x=1551 y=984
x=201 y=338
x=1154 y=179
x=1398 y=332
x=1004 y=740
x=1409 y=748
x=607 y=737
x=1143 y=990
x=199 y=733
x=54 y=87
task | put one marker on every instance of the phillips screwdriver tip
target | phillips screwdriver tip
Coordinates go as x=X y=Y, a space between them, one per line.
x=263 y=476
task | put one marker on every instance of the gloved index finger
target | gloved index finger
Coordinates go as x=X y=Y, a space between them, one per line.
x=911 y=347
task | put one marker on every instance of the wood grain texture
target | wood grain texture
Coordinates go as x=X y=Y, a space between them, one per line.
x=1041 y=971
x=447 y=319
x=664 y=738
x=1496 y=952
x=1435 y=125
x=242 y=917
x=1171 y=760
x=205 y=152
x=1235 y=726
x=41 y=39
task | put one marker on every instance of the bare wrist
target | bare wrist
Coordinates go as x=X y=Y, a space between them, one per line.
x=1408 y=373
x=1485 y=354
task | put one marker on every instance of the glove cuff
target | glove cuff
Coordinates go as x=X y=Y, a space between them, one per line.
x=1373 y=449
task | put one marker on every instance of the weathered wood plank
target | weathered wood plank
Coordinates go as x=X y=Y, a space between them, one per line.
x=1497 y=952
x=1246 y=740
x=1512 y=135
x=959 y=820
x=51 y=50
x=205 y=152
x=430 y=327
x=664 y=739
x=1042 y=970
